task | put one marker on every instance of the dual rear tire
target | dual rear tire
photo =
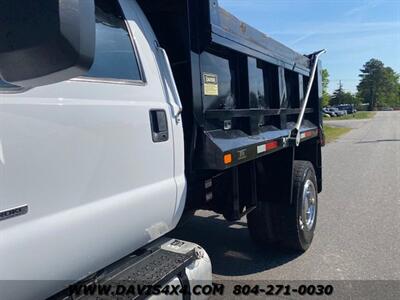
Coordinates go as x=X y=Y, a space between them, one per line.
x=288 y=225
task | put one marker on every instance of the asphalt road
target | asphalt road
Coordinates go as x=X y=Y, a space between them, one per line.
x=358 y=229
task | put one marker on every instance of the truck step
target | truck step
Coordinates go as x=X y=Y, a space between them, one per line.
x=156 y=267
x=157 y=264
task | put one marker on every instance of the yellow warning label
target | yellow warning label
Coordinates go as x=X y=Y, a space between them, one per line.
x=210 y=82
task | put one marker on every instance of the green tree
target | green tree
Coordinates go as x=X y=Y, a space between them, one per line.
x=340 y=96
x=379 y=85
x=325 y=83
x=397 y=104
x=390 y=95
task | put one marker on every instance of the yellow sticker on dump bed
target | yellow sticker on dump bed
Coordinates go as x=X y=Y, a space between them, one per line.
x=210 y=82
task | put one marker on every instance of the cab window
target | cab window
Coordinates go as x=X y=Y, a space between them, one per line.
x=115 y=55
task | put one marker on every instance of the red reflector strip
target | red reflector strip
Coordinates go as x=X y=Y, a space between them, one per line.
x=271 y=145
x=267 y=147
x=308 y=133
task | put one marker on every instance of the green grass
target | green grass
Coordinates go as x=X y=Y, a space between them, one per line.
x=357 y=116
x=333 y=133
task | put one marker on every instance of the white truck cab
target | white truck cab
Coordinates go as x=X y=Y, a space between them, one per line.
x=81 y=159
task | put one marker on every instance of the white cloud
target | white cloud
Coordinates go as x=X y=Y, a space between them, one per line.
x=340 y=28
x=366 y=6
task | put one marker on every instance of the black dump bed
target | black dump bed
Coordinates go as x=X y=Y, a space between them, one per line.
x=241 y=90
x=229 y=31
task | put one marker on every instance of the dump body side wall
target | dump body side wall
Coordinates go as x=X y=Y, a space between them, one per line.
x=241 y=93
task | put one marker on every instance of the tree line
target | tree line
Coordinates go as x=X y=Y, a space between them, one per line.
x=379 y=87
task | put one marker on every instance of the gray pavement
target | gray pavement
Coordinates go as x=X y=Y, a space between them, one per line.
x=358 y=229
x=355 y=124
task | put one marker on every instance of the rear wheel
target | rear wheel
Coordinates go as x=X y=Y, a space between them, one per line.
x=289 y=225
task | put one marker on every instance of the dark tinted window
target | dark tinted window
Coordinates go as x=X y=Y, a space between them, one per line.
x=115 y=56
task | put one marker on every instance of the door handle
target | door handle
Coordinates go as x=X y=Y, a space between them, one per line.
x=159 y=125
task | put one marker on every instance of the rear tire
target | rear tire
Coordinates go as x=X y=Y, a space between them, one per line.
x=288 y=225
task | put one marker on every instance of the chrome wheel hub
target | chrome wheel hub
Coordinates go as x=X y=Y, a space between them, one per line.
x=309 y=206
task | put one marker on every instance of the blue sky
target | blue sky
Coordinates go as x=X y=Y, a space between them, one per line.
x=352 y=31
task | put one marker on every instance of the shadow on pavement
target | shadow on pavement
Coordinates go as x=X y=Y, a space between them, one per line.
x=229 y=246
x=379 y=141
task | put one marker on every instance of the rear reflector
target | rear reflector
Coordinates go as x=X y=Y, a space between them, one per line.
x=267 y=147
x=308 y=133
x=227 y=158
x=271 y=145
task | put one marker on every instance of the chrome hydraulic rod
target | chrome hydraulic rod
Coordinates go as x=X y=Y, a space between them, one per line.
x=295 y=132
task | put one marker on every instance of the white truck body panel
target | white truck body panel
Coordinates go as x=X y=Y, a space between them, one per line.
x=80 y=155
